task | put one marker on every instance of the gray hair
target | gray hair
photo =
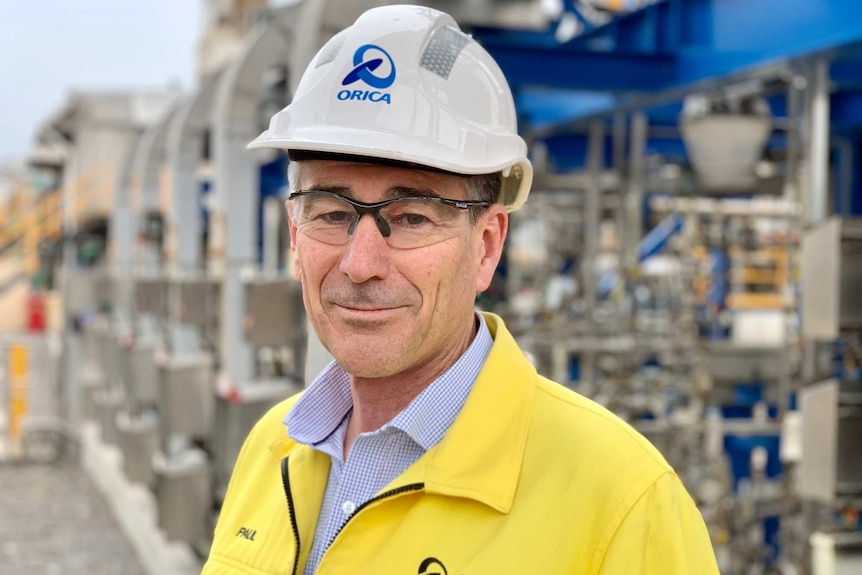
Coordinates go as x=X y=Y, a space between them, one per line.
x=480 y=188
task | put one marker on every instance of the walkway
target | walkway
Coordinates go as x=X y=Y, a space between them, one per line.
x=53 y=521
x=53 y=518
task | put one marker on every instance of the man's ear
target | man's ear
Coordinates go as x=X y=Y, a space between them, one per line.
x=491 y=230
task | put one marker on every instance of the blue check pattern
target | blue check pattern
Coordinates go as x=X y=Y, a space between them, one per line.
x=319 y=419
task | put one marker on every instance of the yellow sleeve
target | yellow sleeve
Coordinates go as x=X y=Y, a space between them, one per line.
x=662 y=534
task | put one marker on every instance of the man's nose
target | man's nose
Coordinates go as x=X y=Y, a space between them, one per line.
x=366 y=254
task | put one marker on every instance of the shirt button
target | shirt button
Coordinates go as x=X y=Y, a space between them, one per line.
x=348 y=507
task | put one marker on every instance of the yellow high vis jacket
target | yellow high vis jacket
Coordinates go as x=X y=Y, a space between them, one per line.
x=531 y=478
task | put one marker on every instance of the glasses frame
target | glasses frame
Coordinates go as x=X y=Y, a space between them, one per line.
x=361 y=208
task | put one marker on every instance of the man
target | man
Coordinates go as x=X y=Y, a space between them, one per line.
x=430 y=445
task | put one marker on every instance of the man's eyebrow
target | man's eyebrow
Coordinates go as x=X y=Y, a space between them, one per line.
x=391 y=193
x=340 y=190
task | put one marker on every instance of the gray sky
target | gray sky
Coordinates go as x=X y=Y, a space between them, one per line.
x=49 y=47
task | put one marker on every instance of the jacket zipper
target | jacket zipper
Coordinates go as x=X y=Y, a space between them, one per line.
x=285 y=480
x=392 y=492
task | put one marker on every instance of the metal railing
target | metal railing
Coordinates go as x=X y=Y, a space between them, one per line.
x=31 y=427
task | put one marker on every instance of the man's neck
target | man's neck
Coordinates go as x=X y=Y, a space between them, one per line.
x=376 y=401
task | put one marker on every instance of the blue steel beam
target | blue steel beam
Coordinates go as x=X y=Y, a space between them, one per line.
x=753 y=29
x=531 y=65
x=676 y=44
x=567 y=152
x=539 y=108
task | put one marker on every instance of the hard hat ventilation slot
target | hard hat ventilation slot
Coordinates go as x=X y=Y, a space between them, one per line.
x=442 y=51
x=330 y=50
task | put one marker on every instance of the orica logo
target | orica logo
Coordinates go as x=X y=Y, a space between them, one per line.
x=364 y=71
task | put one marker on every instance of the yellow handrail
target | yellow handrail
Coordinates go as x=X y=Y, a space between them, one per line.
x=44 y=216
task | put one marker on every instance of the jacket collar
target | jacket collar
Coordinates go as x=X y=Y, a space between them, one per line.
x=480 y=456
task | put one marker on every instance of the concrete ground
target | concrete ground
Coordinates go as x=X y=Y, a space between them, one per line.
x=79 y=515
x=53 y=518
x=54 y=521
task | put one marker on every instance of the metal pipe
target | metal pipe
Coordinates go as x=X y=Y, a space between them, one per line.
x=618 y=161
x=592 y=213
x=818 y=144
x=762 y=207
x=792 y=185
x=592 y=217
x=634 y=197
x=793 y=135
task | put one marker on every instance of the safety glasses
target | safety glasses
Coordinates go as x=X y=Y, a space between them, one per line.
x=409 y=222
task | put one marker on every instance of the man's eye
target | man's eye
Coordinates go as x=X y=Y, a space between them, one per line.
x=413 y=214
x=414 y=219
x=334 y=217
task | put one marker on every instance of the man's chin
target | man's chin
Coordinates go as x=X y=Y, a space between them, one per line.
x=366 y=353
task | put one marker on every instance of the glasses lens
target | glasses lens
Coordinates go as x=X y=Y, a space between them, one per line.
x=415 y=222
x=323 y=217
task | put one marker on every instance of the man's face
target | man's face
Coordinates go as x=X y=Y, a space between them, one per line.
x=384 y=311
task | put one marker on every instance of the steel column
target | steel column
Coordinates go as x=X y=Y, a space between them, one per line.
x=185 y=154
x=122 y=228
x=183 y=221
x=233 y=233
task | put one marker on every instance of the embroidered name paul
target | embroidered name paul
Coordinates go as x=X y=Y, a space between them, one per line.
x=246 y=533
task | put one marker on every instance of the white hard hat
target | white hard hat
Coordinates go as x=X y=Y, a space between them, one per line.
x=404 y=84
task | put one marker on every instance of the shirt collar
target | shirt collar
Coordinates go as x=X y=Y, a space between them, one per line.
x=482 y=453
x=323 y=408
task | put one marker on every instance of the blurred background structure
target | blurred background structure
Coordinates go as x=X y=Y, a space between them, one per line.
x=690 y=257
